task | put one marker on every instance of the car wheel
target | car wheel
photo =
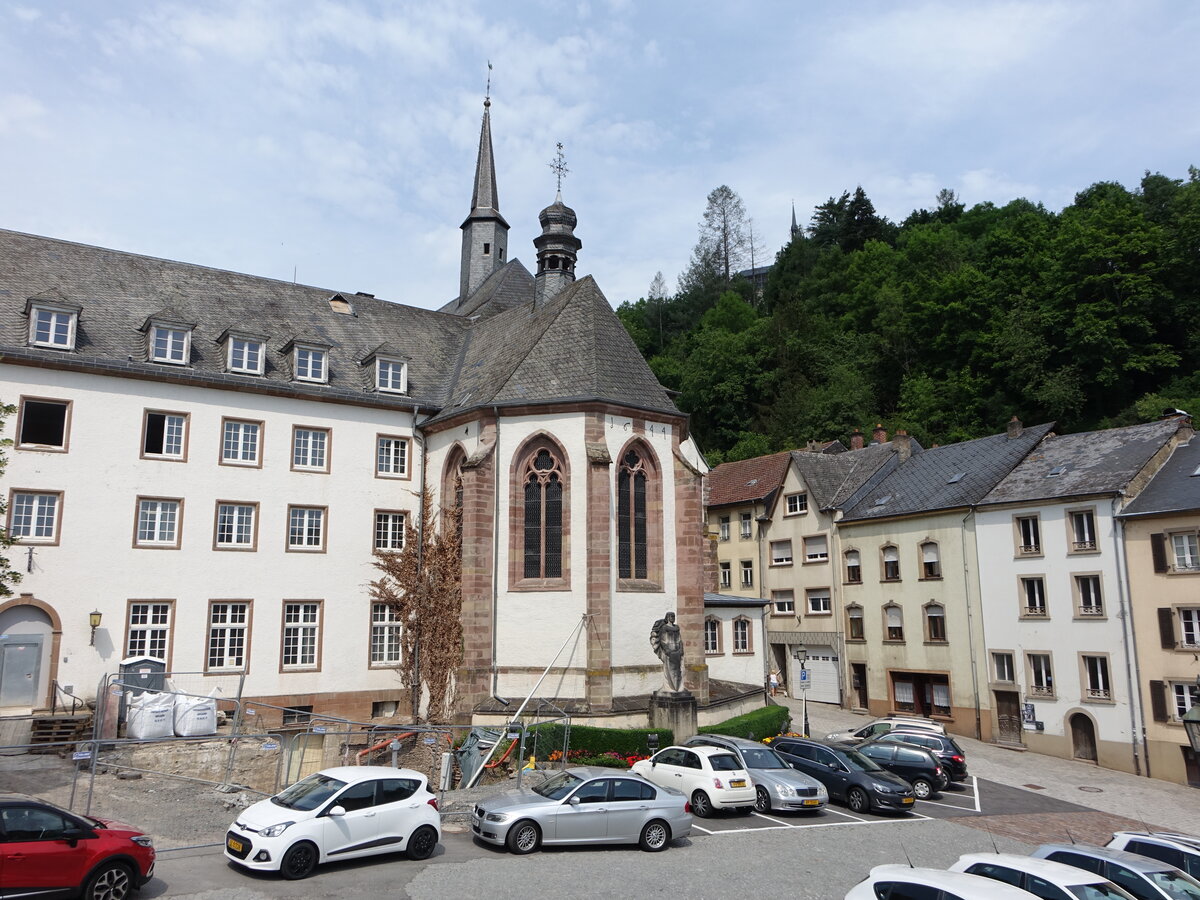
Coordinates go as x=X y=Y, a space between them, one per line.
x=762 y=800
x=422 y=843
x=701 y=805
x=524 y=837
x=857 y=800
x=655 y=836
x=111 y=882
x=922 y=788
x=299 y=861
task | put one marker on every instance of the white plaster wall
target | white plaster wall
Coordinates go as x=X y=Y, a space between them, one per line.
x=741 y=668
x=1061 y=634
x=96 y=566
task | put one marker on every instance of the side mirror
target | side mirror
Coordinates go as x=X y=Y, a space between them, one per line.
x=74 y=835
x=574 y=801
x=653 y=763
x=336 y=811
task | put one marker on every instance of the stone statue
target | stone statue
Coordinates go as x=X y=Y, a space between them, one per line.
x=668 y=646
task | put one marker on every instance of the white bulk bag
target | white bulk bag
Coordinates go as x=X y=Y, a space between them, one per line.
x=149 y=716
x=195 y=715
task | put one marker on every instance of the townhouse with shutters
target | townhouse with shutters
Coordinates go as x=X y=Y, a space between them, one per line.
x=209 y=460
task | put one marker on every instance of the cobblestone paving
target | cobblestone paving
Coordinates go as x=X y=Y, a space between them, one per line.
x=1089 y=827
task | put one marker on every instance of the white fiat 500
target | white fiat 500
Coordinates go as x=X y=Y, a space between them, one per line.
x=343 y=813
x=712 y=778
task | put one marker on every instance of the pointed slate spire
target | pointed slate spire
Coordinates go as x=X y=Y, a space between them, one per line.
x=484 y=199
x=795 y=227
x=485 y=232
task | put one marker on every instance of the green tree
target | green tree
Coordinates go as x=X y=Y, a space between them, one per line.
x=8 y=575
x=723 y=231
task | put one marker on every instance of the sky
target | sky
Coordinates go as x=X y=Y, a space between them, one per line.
x=334 y=143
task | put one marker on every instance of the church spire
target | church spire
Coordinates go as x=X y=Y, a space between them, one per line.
x=485 y=233
x=795 y=227
x=557 y=246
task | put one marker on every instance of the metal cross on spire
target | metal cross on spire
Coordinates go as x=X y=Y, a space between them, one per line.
x=559 y=167
x=488 y=94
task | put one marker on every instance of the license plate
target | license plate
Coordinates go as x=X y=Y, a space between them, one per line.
x=812 y=802
x=907 y=800
x=737 y=783
x=235 y=846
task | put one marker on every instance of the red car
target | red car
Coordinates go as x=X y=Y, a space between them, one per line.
x=48 y=852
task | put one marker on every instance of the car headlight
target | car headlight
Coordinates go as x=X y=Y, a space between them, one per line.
x=784 y=790
x=497 y=817
x=143 y=840
x=276 y=830
x=885 y=788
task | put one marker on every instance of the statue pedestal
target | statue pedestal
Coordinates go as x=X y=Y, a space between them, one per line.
x=675 y=710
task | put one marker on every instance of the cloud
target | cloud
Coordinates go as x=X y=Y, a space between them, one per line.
x=21 y=114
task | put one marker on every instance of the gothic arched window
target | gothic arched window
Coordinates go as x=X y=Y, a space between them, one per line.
x=452 y=488
x=631 y=516
x=542 y=481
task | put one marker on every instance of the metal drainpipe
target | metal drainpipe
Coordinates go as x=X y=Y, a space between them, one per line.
x=1128 y=638
x=962 y=531
x=419 y=438
x=495 y=545
x=762 y=587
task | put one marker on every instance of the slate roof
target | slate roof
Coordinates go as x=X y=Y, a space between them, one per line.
x=747 y=480
x=507 y=287
x=1175 y=488
x=729 y=600
x=833 y=478
x=573 y=348
x=948 y=477
x=1088 y=463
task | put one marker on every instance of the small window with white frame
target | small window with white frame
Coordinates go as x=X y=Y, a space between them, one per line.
x=931 y=561
x=1041 y=675
x=391 y=375
x=726 y=570
x=158 y=523
x=386 y=633
x=816 y=548
x=228 y=635
x=391 y=456
x=783 y=603
x=301 y=635
x=853 y=567
x=1189 y=627
x=1088 y=598
x=310 y=363
x=796 y=504
x=893 y=622
x=1083 y=530
x=935 y=623
x=742 y=636
x=1185 y=551
x=306 y=529
x=170 y=344
x=241 y=443
x=389 y=529
x=164 y=435
x=310 y=449
x=1033 y=596
x=1002 y=668
x=781 y=553
x=1028 y=533
x=747 y=573
x=35 y=517
x=245 y=355
x=148 y=631
x=817 y=602
x=712 y=636
x=1184 y=695
x=237 y=526
x=855 y=629
x=53 y=327
x=746 y=521
x=1096 y=683
x=723 y=528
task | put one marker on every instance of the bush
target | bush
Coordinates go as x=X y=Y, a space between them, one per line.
x=593 y=741
x=756 y=725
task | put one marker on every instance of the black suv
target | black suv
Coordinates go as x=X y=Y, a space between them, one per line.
x=851 y=778
x=942 y=746
x=916 y=766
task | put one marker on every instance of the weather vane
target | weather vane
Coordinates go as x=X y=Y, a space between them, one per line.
x=488 y=95
x=559 y=166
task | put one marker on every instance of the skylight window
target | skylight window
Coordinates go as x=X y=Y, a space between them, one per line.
x=956 y=478
x=883 y=500
x=1056 y=471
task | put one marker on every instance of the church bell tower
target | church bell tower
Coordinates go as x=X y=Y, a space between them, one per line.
x=485 y=233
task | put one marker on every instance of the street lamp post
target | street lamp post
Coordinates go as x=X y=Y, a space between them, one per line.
x=801 y=656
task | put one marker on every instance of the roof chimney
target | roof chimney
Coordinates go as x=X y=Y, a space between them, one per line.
x=1014 y=428
x=903 y=444
x=879 y=435
x=856 y=439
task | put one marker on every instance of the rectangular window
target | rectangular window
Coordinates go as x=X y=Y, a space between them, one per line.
x=816 y=548
x=169 y=345
x=747 y=527
x=246 y=356
x=1097 y=686
x=301 y=635
x=1029 y=536
x=385 y=635
x=1087 y=594
x=797 y=504
x=818 y=601
x=784 y=603
x=310 y=364
x=1189 y=627
x=43 y=424
x=893 y=617
x=902 y=691
x=165 y=435
x=935 y=623
x=747 y=573
x=306 y=528
x=741 y=636
x=931 y=564
x=390 y=375
x=853 y=567
x=236 y=526
x=891 y=564
x=712 y=636
x=52 y=328
x=1002 y=667
x=1083 y=531
x=310 y=449
x=228 y=629
x=1186 y=552
x=1186 y=696
x=724 y=527
x=240 y=442
x=389 y=530
x=1041 y=677
x=34 y=517
x=1033 y=596
x=726 y=575
x=854 y=624
x=391 y=457
x=781 y=553
x=149 y=629
x=158 y=523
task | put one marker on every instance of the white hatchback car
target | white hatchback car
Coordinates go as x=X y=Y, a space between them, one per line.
x=1180 y=850
x=342 y=813
x=1041 y=877
x=898 y=881
x=711 y=777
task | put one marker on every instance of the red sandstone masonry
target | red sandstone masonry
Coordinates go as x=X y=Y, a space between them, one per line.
x=479 y=501
x=690 y=549
x=599 y=573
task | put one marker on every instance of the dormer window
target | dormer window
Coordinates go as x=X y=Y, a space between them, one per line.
x=391 y=375
x=170 y=344
x=52 y=326
x=246 y=355
x=311 y=364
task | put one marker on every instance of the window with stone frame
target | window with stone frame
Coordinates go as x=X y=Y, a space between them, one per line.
x=818 y=602
x=228 y=635
x=891 y=562
x=301 y=635
x=306 y=529
x=1028 y=535
x=1002 y=668
x=747 y=573
x=543 y=513
x=742 y=640
x=1189 y=627
x=783 y=602
x=723 y=527
x=853 y=567
x=1033 y=596
x=931 y=561
x=935 y=623
x=389 y=529
x=746 y=522
x=1041 y=675
x=816 y=548
x=726 y=570
x=1088 y=599
x=1185 y=551
x=391 y=456
x=712 y=636
x=158 y=522
x=1083 y=530
x=632 y=518
x=148 y=629
x=386 y=648
x=241 y=442
x=236 y=526
x=781 y=553
x=854 y=623
x=43 y=424
x=165 y=435
x=893 y=622
x=797 y=504
x=310 y=449
x=1096 y=682
x=34 y=516
x=1184 y=695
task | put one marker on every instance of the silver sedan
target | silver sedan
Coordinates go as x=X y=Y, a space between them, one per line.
x=585 y=805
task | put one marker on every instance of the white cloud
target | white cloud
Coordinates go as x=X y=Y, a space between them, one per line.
x=21 y=114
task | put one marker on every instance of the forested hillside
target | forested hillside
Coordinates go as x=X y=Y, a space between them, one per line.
x=946 y=324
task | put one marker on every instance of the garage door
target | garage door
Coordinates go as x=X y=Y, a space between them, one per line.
x=822 y=668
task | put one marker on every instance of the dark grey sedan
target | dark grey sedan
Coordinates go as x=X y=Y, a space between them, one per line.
x=585 y=805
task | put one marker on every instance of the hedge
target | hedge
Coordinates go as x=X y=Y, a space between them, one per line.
x=756 y=725
x=625 y=741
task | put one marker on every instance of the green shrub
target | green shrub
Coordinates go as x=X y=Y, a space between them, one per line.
x=755 y=725
x=545 y=739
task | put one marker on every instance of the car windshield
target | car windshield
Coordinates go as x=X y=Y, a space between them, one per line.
x=724 y=762
x=558 y=786
x=762 y=759
x=856 y=760
x=1103 y=891
x=1176 y=885
x=309 y=793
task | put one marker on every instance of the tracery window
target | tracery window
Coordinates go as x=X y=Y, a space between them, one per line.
x=543 y=485
x=631 y=516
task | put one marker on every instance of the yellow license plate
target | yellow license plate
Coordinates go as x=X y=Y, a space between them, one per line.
x=738 y=783
x=812 y=802
x=235 y=846
x=907 y=800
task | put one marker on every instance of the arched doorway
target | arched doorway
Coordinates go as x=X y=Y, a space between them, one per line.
x=29 y=637
x=1083 y=737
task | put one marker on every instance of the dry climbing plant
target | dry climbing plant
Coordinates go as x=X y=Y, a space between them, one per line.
x=423 y=584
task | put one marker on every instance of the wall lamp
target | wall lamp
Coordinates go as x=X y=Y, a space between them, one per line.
x=94 y=620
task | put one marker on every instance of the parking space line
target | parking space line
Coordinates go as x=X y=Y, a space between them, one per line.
x=942 y=802
x=776 y=821
x=912 y=817
x=838 y=812
x=699 y=828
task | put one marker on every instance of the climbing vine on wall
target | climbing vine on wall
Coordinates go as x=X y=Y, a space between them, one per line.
x=423 y=584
